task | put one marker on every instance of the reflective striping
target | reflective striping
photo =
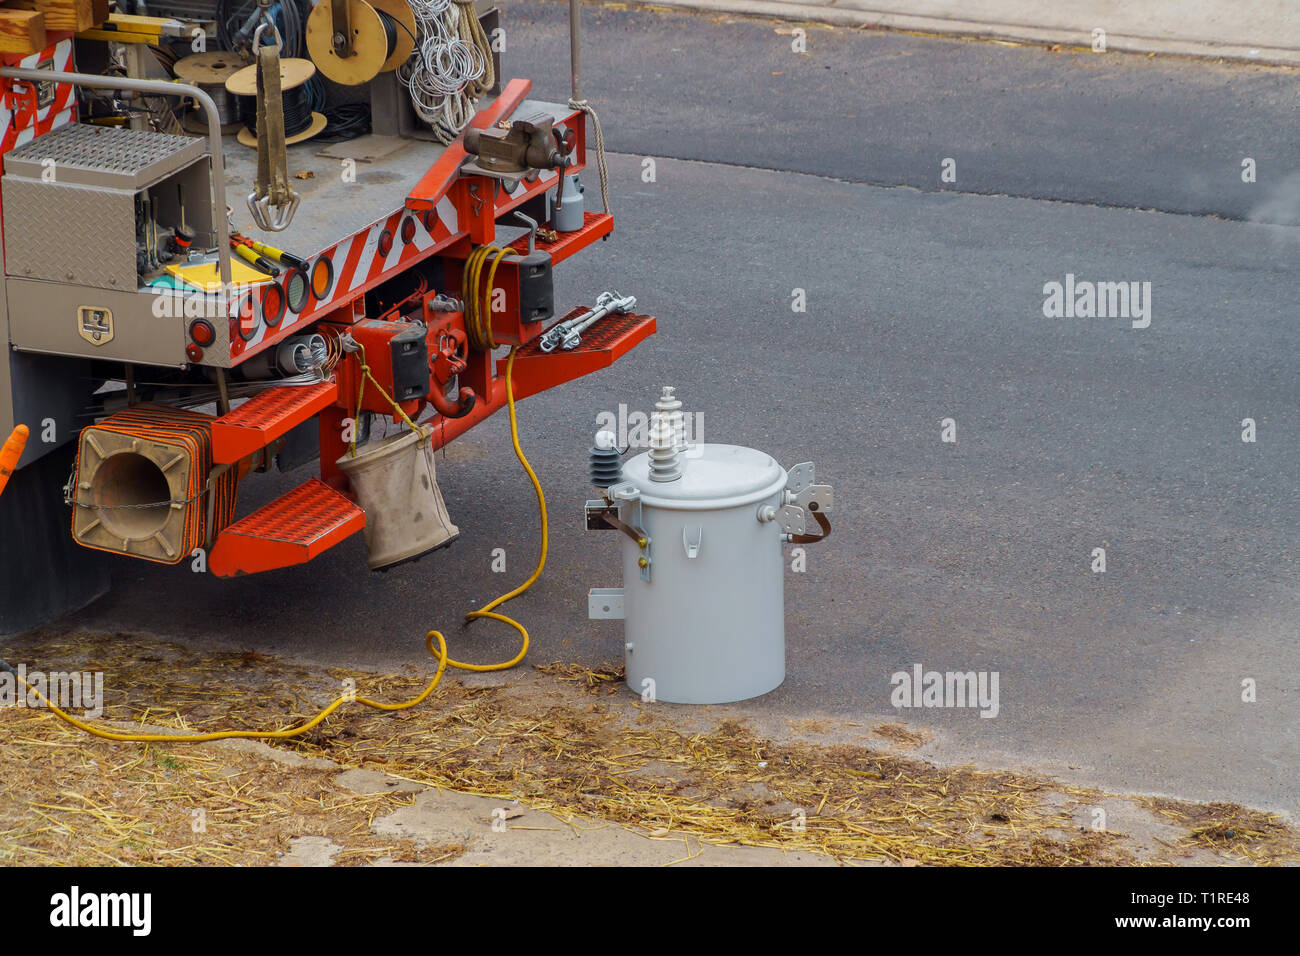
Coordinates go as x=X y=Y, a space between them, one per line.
x=348 y=265
x=546 y=179
x=399 y=249
x=25 y=124
x=422 y=240
x=361 y=271
x=358 y=267
x=447 y=216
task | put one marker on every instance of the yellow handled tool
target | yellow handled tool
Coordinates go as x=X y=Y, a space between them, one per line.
x=244 y=252
x=277 y=255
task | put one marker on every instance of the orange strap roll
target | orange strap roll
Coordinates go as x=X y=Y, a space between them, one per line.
x=12 y=451
x=185 y=431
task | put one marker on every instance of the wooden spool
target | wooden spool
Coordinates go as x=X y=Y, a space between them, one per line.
x=400 y=11
x=294 y=72
x=372 y=52
x=209 y=72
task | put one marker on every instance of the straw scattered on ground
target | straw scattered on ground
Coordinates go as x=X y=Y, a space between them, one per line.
x=1229 y=830
x=77 y=801
x=568 y=740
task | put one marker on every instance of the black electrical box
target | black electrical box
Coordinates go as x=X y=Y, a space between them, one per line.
x=536 y=287
x=410 y=363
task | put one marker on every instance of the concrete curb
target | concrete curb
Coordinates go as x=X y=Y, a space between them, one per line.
x=1118 y=42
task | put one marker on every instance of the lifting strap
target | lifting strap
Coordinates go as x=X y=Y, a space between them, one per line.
x=272 y=203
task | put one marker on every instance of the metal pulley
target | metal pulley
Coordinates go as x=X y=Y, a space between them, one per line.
x=353 y=41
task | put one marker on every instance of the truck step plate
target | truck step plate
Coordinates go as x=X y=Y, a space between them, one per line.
x=595 y=225
x=291 y=530
x=602 y=345
x=265 y=417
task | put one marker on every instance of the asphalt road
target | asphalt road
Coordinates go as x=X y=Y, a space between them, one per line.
x=886 y=109
x=923 y=304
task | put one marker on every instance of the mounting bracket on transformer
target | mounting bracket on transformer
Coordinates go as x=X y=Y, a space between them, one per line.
x=602 y=514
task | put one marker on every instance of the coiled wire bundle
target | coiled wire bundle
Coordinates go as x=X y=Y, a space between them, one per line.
x=451 y=66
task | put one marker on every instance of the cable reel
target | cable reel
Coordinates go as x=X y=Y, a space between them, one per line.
x=300 y=121
x=353 y=41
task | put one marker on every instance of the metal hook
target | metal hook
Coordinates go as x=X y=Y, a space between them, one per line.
x=268 y=220
x=267 y=23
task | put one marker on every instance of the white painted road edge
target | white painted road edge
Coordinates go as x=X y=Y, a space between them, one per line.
x=1217 y=29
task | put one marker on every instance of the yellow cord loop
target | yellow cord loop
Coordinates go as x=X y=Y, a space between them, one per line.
x=478 y=298
x=487 y=611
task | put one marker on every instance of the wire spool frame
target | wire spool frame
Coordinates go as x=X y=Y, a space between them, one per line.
x=300 y=122
x=383 y=37
x=209 y=72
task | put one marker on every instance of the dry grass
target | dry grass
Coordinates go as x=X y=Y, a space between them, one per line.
x=1229 y=830
x=77 y=800
x=901 y=735
x=594 y=753
x=607 y=677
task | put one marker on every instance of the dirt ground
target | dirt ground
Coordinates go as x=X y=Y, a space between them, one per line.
x=548 y=764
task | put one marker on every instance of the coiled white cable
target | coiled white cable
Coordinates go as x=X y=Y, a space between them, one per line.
x=443 y=68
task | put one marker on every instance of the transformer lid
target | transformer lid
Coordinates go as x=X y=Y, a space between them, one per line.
x=713 y=476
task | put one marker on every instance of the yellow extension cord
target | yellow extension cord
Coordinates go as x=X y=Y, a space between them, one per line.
x=478 y=312
x=488 y=611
